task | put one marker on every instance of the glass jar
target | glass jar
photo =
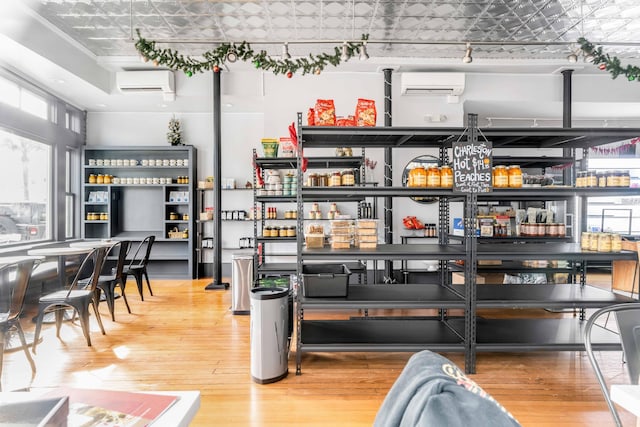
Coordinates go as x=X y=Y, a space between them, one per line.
x=625 y=179
x=585 y=241
x=613 y=180
x=592 y=179
x=417 y=177
x=552 y=230
x=500 y=177
x=433 y=176
x=312 y=180
x=100 y=179
x=104 y=216
x=282 y=232
x=616 y=243
x=92 y=179
x=335 y=180
x=593 y=243
x=446 y=177
x=580 y=179
x=514 y=176
x=604 y=242
x=323 y=180
x=291 y=231
x=562 y=229
x=347 y=177
x=602 y=179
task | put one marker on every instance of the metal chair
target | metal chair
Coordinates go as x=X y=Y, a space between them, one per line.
x=14 y=279
x=108 y=282
x=76 y=296
x=628 y=318
x=138 y=265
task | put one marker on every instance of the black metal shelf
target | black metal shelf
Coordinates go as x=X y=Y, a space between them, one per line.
x=276 y=199
x=330 y=136
x=388 y=252
x=377 y=334
x=532 y=162
x=544 y=296
x=275 y=239
x=402 y=296
x=326 y=162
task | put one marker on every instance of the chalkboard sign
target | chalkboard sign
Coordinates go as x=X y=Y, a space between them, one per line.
x=472 y=167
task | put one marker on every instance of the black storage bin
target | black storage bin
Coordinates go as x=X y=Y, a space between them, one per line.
x=325 y=280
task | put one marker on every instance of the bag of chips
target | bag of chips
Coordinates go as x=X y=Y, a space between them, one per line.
x=366 y=112
x=311 y=119
x=346 y=121
x=325 y=113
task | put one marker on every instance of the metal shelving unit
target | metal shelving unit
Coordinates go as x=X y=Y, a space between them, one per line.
x=468 y=334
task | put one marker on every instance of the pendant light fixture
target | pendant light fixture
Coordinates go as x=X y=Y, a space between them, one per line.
x=285 y=51
x=467 y=59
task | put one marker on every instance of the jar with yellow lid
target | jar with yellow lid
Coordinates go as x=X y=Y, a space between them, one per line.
x=92 y=179
x=433 y=176
x=514 y=176
x=500 y=177
x=446 y=176
x=417 y=177
x=100 y=179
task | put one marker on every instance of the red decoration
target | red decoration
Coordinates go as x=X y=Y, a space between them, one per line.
x=602 y=66
x=289 y=74
x=605 y=151
x=216 y=69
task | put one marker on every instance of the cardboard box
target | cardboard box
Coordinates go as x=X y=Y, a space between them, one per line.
x=481 y=278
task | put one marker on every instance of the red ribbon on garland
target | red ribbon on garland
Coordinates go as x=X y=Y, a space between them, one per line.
x=618 y=149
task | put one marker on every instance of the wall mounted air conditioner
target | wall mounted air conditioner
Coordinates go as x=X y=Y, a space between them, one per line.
x=432 y=83
x=147 y=81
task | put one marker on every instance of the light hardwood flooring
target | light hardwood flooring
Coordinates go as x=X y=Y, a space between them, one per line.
x=186 y=338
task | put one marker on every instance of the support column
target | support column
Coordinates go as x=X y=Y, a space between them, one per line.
x=217 y=188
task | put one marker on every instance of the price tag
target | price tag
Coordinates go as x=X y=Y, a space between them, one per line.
x=472 y=167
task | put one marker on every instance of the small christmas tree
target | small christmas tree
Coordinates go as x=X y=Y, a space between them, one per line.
x=173 y=136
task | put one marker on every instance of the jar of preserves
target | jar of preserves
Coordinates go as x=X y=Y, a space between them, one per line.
x=104 y=216
x=625 y=179
x=100 y=179
x=347 y=177
x=335 y=180
x=433 y=176
x=562 y=230
x=593 y=243
x=580 y=179
x=282 y=232
x=514 y=176
x=312 y=180
x=613 y=180
x=585 y=241
x=417 y=177
x=592 y=179
x=602 y=179
x=291 y=231
x=323 y=180
x=446 y=176
x=500 y=177
x=92 y=179
x=616 y=243
x=604 y=242
x=552 y=230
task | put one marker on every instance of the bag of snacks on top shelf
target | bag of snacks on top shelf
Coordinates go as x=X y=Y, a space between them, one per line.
x=346 y=121
x=366 y=114
x=325 y=113
x=311 y=117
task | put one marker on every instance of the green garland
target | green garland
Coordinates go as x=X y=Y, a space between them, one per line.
x=217 y=57
x=609 y=63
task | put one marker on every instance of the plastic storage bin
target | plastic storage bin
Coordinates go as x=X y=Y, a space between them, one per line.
x=325 y=280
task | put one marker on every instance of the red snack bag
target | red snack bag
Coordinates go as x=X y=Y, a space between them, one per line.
x=325 y=113
x=366 y=112
x=346 y=121
x=311 y=119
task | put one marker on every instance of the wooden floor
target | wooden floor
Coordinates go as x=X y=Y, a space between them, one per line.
x=185 y=338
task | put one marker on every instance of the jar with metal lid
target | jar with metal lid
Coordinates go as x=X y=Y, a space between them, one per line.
x=580 y=179
x=92 y=179
x=100 y=179
x=602 y=179
x=585 y=241
x=500 y=177
x=562 y=230
x=104 y=216
x=282 y=232
x=313 y=180
x=613 y=179
x=446 y=176
x=417 y=176
x=604 y=242
x=552 y=230
x=291 y=231
x=433 y=176
x=514 y=176
x=323 y=180
x=335 y=180
x=347 y=177
x=616 y=242
x=542 y=229
x=591 y=179
x=266 y=231
x=593 y=243
x=625 y=179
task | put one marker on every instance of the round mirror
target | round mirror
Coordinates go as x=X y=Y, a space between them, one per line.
x=425 y=161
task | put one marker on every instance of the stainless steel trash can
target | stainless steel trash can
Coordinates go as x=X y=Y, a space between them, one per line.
x=269 y=334
x=241 y=283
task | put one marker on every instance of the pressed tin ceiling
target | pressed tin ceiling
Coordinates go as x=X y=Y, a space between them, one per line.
x=105 y=27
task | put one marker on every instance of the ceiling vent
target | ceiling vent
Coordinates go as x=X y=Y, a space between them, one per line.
x=430 y=84
x=147 y=81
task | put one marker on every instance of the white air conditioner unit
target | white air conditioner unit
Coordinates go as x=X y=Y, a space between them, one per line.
x=147 y=81
x=432 y=83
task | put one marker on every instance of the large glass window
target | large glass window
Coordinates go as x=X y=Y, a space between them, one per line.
x=25 y=171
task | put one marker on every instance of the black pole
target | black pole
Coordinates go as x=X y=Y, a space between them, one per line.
x=567 y=175
x=388 y=170
x=217 y=189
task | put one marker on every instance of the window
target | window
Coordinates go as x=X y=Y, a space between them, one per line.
x=25 y=168
x=9 y=93
x=72 y=166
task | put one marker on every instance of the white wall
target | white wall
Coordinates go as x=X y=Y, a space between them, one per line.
x=261 y=105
